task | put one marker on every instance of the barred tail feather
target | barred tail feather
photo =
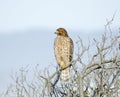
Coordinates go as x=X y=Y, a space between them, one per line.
x=65 y=75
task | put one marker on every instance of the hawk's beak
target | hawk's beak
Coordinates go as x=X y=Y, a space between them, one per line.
x=56 y=32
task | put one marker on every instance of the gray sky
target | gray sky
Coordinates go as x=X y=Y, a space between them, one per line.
x=27 y=28
x=76 y=14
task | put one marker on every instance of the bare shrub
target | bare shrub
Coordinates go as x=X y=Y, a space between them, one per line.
x=94 y=73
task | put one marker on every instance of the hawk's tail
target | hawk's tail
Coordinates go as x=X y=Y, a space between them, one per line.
x=65 y=75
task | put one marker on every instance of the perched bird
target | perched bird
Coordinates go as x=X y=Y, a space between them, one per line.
x=63 y=50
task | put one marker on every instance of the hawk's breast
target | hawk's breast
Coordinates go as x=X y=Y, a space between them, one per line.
x=63 y=48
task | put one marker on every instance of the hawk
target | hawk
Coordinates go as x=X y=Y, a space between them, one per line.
x=63 y=49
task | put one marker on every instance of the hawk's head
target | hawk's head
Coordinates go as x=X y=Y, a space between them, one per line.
x=61 y=32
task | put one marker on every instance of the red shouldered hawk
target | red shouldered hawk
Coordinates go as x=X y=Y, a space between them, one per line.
x=63 y=49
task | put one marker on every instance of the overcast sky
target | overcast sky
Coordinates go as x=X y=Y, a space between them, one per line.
x=76 y=14
x=27 y=28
